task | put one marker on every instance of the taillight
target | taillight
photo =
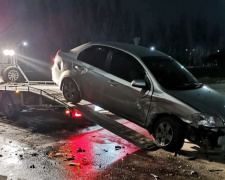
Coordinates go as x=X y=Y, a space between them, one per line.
x=55 y=58
x=73 y=113
x=76 y=114
x=67 y=112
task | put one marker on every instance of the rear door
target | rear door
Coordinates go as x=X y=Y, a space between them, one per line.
x=92 y=72
x=119 y=96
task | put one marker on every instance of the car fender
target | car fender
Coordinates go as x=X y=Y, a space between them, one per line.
x=9 y=67
x=74 y=76
x=165 y=104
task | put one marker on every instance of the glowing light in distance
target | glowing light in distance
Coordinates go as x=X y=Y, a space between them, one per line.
x=25 y=43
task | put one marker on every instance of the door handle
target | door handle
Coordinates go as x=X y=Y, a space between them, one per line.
x=112 y=83
x=80 y=68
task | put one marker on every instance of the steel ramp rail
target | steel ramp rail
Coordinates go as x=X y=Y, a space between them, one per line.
x=46 y=93
x=115 y=127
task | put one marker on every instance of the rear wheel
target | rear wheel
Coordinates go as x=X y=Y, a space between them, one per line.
x=168 y=134
x=12 y=75
x=8 y=107
x=70 y=91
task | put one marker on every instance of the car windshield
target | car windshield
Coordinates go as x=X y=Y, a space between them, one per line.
x=170 y=74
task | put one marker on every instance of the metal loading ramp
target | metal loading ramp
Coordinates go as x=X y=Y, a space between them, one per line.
x=117 y=128
x=53 y=92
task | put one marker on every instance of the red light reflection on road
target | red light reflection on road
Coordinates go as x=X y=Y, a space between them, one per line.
x=97 y=150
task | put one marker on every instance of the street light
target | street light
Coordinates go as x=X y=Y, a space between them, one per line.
x=25 y=43
x=22 y=45
x=152 y=48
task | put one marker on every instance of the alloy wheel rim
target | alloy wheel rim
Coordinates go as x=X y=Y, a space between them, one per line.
x=163 y=134
x=69 y=90
x=13 y=75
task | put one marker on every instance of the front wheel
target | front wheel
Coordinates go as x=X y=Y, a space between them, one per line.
x=70 y=91
x=169 y=134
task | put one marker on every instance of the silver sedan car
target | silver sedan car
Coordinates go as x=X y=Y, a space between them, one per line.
x=146 y=87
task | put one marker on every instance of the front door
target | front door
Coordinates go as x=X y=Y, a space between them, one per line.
x=120 y=96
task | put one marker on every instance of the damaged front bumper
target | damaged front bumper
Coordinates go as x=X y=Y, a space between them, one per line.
x=211 y=140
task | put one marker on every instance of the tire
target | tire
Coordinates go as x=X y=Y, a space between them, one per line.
x=12 y=75
x=70 y=91
x=8 y=108
x=169 y=134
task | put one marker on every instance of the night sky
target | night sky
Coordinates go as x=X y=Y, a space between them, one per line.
x=212 y=10
x=49 y=25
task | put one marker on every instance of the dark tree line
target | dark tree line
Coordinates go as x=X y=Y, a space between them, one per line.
x=188 y=40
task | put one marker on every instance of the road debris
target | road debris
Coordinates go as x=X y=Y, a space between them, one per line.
x=70 y=159
x=74 y=164
x=52 y=155
x=117 y=148
x=107 y=175
x=60 y=154
x=21 y=156
x=215 y=170
x=32 y=166
x=77 y=165
x=194 y=173
x=80 y=150
x=155 y=176
x=34 y=154
x=192 y=158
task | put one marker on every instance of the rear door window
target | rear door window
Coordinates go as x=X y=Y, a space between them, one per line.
x=126 y=66
x=95 y=56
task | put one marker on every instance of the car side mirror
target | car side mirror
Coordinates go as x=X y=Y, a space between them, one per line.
x=139 y=83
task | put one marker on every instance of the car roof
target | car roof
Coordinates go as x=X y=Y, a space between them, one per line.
x=139 y=51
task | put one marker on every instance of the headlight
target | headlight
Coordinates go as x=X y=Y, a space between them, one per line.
x=207 y=120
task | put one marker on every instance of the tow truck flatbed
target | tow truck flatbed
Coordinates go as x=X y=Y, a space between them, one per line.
x=49 y=96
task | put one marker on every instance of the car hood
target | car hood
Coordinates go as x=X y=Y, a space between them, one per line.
x=203 y=99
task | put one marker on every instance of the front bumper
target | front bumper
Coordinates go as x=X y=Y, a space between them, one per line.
x=211 y=140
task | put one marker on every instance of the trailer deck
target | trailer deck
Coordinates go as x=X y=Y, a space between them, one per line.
x=48 y=95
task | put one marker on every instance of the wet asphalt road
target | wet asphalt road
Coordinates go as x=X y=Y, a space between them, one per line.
x=48 y=145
